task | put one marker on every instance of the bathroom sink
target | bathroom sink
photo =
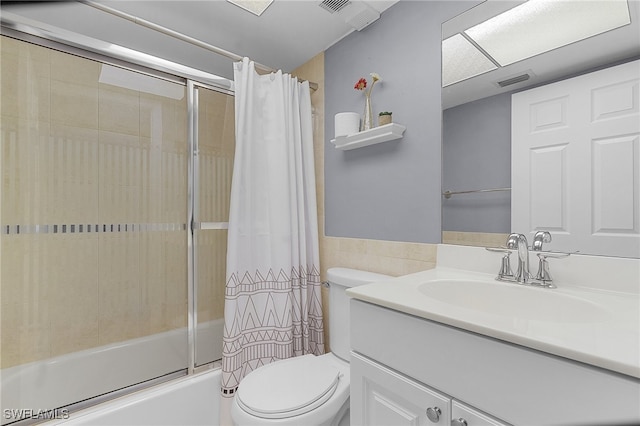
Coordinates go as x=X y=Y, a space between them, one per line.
x=513 y=300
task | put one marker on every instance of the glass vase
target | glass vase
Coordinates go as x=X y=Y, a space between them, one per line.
x=367 y=118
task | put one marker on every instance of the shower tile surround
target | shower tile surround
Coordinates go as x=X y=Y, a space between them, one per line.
x=64 y=292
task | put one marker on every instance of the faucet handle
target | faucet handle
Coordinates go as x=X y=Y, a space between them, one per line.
x=505 y=265
x=543 y=275
x=539 y=238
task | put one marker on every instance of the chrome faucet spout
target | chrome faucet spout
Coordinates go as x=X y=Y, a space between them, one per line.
x=523 y=259
x=519 y=242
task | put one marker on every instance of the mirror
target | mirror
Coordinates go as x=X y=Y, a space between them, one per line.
x=476 y=152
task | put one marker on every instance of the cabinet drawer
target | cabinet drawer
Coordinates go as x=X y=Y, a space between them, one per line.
x=380 y=396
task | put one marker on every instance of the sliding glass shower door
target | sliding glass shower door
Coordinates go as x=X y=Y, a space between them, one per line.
x=94 y=228
x=214 y=153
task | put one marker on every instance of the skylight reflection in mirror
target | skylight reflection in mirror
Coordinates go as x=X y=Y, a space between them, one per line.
x=538 y=26
x=462 y=60
x=527 y=30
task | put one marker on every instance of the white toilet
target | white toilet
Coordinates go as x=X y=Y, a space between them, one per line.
x=306 y=390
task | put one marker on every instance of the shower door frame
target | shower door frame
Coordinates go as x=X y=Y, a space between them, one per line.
x=193 y=220
x=192 y=79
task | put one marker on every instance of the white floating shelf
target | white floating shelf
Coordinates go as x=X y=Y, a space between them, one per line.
x=388 y=132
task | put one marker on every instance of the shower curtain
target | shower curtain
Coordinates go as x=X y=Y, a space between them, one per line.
x=273 y=305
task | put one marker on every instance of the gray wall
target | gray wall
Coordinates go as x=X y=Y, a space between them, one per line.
x=476 y=154
x=389 y=191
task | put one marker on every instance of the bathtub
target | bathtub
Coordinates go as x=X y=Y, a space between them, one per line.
x=37 y=388
x=191 y=400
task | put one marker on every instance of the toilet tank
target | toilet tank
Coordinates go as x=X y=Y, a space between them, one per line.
x=340 y=279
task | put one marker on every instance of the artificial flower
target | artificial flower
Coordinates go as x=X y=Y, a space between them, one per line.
x=362 y=83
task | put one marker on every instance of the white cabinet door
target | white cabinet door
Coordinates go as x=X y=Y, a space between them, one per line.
x=380 y=396
x=463 y=415
x=575 y=168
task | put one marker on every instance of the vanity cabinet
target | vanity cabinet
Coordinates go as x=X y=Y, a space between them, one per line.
x=382 y=396
x=403 y=364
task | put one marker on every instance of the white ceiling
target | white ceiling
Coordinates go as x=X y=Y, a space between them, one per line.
x=287 y=35
x=290 y=32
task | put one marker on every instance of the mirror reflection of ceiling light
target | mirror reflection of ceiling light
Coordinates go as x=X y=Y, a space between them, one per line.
x=538 y=26
x=527 y=30
x=462 y=60
x=257 y=7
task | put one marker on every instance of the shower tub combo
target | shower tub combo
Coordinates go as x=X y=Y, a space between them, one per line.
x=113 y=266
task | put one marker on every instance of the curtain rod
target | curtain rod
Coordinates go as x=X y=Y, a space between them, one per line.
x=180 y=36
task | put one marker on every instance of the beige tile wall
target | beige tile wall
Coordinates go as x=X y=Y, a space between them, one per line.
x=77 y=151
x=481 y=239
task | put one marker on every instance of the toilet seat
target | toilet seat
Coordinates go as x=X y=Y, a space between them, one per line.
x=288 y=388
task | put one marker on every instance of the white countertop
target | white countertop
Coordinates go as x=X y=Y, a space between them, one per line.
x=610 y=341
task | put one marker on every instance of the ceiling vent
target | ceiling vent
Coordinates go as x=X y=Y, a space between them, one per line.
x=513 y=80
x=357 y=14
x=332 y=6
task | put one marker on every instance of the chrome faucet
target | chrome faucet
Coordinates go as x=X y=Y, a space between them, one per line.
x=519 y=242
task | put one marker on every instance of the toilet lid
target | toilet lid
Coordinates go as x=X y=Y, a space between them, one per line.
x=288 y=388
